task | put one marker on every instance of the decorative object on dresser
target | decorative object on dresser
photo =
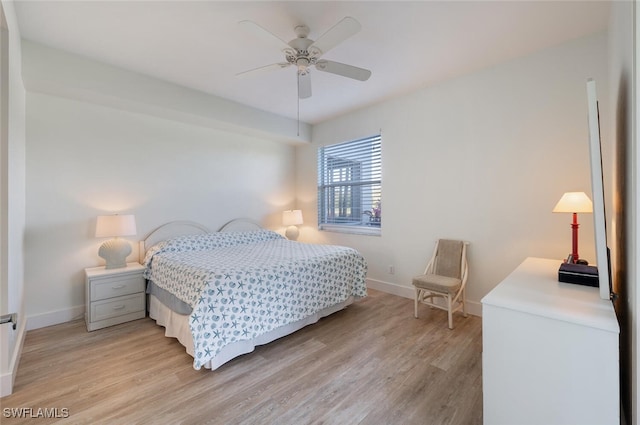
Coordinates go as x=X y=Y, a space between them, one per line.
x=445 y=277
x=550 y=351
x=115 y=251
x=292 y=218
x=580 y=274
x=574 y=202
x=114 y=296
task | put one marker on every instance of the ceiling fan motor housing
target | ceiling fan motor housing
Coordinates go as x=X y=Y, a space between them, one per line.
x=300 y=55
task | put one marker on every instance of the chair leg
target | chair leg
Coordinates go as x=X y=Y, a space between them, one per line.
x=449 y=312
x=415 y=308
x=464 y=303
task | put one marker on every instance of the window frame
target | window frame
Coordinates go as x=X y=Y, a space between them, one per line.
x=346 y=171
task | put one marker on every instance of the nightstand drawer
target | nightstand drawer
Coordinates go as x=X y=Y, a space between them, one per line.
x=114 y=296
x=109 y=287
x=101 y=310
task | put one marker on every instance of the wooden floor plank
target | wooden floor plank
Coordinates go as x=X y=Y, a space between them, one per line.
x=372 y=363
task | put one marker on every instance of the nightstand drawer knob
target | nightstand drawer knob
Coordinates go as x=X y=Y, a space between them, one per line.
x=118 y=287
x=120 y=307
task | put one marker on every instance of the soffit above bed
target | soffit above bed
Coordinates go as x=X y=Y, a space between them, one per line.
x=58 y=73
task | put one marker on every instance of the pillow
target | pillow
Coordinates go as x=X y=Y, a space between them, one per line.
x=209 y=241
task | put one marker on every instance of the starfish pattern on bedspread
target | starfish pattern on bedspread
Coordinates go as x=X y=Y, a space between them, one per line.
x=241 y=285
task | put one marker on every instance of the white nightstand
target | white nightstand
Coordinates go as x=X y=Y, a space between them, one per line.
x=114 y=296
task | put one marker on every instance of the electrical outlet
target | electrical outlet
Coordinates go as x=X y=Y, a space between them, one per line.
x=391 y=269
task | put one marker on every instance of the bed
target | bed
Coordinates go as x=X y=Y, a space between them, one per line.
x=223 y=293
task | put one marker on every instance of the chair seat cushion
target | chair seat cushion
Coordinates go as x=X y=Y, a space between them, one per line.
x=437 y=283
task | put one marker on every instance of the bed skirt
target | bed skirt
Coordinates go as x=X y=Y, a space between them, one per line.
x=177 y=326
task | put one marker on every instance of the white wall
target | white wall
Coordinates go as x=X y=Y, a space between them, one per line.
x=484 y=157
x=12 y=199
x=85 y=160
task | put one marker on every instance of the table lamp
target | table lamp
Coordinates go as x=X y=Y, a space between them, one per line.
x=292 y=218
x=574 y=202
x=115 y=251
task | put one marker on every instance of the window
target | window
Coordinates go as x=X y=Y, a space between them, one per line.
x=350 y=186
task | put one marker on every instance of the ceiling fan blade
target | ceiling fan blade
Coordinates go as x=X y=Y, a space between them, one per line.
x=265 y=34
x=336 y=34
x=344 y=70
x=265 y=68
x=304 y=85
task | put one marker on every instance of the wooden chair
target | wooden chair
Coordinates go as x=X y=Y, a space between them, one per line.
x=445 y=277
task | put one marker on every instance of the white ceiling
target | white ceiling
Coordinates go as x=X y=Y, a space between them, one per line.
x=406 y=45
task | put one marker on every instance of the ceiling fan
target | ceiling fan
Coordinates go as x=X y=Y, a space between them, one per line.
x=303 y=52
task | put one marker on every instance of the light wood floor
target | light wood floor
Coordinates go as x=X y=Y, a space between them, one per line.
x=372 y=363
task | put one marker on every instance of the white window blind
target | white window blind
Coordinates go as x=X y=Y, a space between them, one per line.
x=350 y=185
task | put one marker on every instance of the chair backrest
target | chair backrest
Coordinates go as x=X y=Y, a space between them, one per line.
x=448 y=258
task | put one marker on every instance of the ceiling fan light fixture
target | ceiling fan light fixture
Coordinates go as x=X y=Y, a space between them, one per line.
x=303 y=65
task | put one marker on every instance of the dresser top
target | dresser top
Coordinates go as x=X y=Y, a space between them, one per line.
x=534 y=288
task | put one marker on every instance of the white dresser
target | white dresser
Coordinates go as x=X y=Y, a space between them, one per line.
x=550 y=351
x=114 y=296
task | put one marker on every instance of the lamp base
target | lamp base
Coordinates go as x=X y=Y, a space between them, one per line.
x=115 y=253
x=292 y=233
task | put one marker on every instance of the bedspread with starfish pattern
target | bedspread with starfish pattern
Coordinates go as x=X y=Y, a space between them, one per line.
x=243 y=284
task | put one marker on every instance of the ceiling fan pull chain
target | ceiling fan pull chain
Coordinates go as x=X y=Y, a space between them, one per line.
x=298 y=99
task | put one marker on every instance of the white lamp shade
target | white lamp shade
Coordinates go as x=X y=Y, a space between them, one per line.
x=574 y=202
x=292 y=217
x=115 y=225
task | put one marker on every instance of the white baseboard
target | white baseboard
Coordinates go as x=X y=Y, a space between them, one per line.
x=473 y=307
x=8 y=378
x=55 y=317
x=390 y=288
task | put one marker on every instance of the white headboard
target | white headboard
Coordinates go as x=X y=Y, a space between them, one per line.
x=168 y=231
x=181 y=228
x=240 y=225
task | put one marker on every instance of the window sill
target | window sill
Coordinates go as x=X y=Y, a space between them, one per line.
x=355 y=230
